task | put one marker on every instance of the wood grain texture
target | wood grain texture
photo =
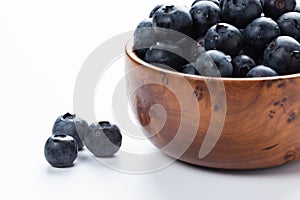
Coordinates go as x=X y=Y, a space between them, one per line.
x=262 y=123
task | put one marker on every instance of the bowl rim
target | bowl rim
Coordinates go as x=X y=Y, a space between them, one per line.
x=129 y=50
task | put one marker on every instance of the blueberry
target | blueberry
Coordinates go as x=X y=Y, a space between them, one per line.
x=60 y=150
x=144 y=37
x=224 y=37
x=166 y=55
x=205 y=14
x=217 y=2
x=190 y=69
x=190 y=48
x=153 y=11
x=283 y=55
x=239 y=13
x=196 y=49
x=103 y=139
x=275 y=8
x=261 y=71
x=214 y=63
x=260 y=32
x=71 y=125
x=289 y=24
x=172 y=17
x=242 y=64
x=255 y=55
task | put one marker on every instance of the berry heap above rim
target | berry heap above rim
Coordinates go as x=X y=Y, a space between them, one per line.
x=223 y=38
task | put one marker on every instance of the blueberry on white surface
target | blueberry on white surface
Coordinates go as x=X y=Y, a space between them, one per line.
x=103 y=139
x=72 y=125
x=60 y=150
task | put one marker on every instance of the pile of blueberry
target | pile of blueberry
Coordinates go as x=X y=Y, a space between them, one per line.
x=70 y=133
x=230 y=38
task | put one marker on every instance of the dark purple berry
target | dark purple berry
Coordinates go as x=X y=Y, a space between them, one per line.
x=172 y=17
x=155 y=9
x=283 y=55
x=196 y=49
x=239 y=13
x=289 y=24
x=60 y=150
x=190 y=48
x=275 y=8
x=255 y=55
x=190 y=69
x=217 y=2
x=214 y=63
x=260 y=32
x=166 y=55
x=205 y=14
x=72 y=125
x=224 y=37
x=144 y=37
x=261 y=71
x=242 y=64
x=103 y=139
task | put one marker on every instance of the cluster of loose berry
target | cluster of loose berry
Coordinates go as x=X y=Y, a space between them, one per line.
x=70 y=133
x=230 y=38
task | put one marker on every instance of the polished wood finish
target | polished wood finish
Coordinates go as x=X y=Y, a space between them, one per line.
x=262 y=122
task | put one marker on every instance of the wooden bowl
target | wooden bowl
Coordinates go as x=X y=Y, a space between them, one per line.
x=228 y=123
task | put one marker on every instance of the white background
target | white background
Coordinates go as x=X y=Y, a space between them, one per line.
x=42 y=47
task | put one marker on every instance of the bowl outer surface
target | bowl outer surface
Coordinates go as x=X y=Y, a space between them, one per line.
x=259 y=116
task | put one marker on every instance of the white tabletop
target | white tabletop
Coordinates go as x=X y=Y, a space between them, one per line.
x=43 y=46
